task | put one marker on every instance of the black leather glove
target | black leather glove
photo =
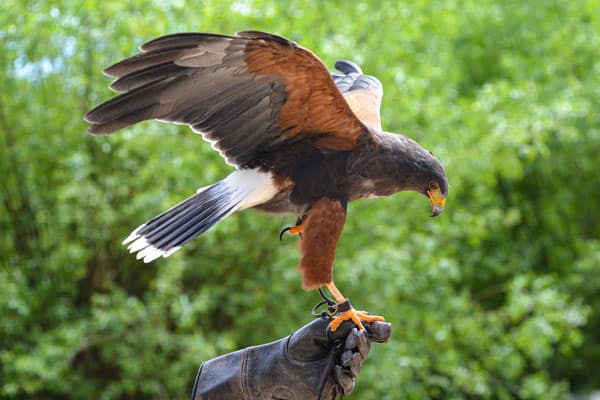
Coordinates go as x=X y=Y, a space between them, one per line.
x=312 y=363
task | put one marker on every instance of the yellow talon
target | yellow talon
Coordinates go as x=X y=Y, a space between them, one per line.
x=292 y=230
x=295 y=230
x=349 y=313
x=356 y=317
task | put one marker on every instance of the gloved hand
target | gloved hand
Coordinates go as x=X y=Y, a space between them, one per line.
x=312 y=363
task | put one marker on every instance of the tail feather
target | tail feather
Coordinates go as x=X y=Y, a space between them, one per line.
x=166 y=233
x=169 y=231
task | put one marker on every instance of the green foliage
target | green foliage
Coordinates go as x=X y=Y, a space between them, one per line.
x=497 y=298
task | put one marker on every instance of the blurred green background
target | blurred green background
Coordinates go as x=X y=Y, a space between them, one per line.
x=498 y=298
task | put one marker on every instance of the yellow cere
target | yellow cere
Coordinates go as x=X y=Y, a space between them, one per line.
x=436 y=197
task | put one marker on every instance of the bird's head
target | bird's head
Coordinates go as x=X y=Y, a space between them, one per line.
x=401 y=164
x=434 y=184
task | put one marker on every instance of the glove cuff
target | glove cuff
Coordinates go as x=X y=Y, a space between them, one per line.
x=293 y=368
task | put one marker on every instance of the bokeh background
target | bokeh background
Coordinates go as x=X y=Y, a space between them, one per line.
x=498 y=298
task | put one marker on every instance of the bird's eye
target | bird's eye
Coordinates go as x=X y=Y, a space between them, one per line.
x=433 y=186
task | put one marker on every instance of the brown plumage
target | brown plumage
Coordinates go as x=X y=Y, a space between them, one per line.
x=309 y=87
x=321 y=231
x=303 y=140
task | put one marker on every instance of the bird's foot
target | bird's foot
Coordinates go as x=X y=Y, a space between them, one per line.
x=348 y=313
x=292 y=230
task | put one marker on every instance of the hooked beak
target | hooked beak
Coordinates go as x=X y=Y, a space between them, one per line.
x=437 y=200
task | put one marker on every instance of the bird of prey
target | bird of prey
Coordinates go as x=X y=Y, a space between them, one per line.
x=302 y=140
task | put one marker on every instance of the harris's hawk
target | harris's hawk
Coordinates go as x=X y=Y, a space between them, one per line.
x=303 y=141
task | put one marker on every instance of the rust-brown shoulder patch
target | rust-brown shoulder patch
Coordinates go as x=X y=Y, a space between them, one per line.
x=314 y=106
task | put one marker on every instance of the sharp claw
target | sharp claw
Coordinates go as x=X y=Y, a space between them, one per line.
x=283 y=231
x=293 y=230
x=358 y=324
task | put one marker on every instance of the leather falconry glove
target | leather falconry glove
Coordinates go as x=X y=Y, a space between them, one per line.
x=312 y=363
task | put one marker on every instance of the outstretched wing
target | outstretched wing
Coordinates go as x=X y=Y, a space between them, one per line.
x=362 y=92
x=248 y=94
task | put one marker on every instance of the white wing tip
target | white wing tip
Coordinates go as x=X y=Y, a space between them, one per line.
x=149 y=254
x=133 y=235
x=137 y=245
x=170 y=251
x=145 y=251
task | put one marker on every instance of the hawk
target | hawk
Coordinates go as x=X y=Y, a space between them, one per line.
x=302 y=140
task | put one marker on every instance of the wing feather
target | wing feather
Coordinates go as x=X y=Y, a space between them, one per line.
x=249 y=94
x=363 y=93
